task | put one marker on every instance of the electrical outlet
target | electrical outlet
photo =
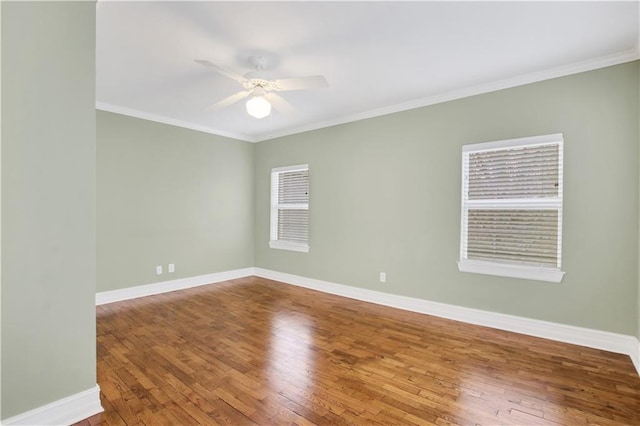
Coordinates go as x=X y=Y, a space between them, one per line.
x=159 y=270
x=172 y=268
x=383 y=277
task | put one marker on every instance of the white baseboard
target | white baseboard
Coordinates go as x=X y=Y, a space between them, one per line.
x=636 y=357
x=65 y=411
x=612 y=342
x=167 y=286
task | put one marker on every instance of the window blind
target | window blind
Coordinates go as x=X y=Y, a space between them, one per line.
x=290 y=205
x=512 y=202
x=525 y=236
x=293 y=225
x=522 y=172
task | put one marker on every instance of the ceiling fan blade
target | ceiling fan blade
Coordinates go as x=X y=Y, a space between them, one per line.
x=311 y=82
x=279 y=103
x=222 y=70
x=230 y=100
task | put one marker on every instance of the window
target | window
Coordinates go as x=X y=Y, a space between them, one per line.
x=512 y=208
x=290 y=208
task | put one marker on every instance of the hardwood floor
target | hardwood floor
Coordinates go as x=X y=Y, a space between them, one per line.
x=254 y=351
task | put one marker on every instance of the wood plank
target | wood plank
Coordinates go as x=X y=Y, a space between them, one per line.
x=254 y=351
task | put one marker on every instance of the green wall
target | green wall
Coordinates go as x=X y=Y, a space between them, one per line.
x=385 y=196
x=48 y=203
x=170 y=195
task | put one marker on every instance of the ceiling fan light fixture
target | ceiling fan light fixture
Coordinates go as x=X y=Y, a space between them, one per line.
x=258 y=107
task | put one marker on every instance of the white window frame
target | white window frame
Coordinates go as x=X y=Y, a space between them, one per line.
x=513 y=270
x=274 y=242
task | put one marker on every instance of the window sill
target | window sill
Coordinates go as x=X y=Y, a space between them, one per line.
x=511 y=271
x=285 y=245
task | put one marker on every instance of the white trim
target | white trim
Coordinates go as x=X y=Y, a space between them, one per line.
x=288 y=245
x=131 y=112
x=562 y=71
x=500 y=267
x=297 y=168
x=274 y=216
x=510 y=203
x=635 y=357
x=167 y=286
x=64 y=411
x=1 y=209
x=514 y=143
x=584 y=66
x=511 y=271
x=613 y=342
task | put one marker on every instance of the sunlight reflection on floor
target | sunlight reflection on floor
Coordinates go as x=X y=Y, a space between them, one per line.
x=291 y=356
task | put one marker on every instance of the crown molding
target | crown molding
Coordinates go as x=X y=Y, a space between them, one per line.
x=565 y=70
x=575 y=68
x=131 y=112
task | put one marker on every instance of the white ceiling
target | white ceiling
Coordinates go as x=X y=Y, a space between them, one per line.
x=378 y=57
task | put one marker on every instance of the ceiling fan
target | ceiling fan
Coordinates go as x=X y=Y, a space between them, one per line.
x=262 y=92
